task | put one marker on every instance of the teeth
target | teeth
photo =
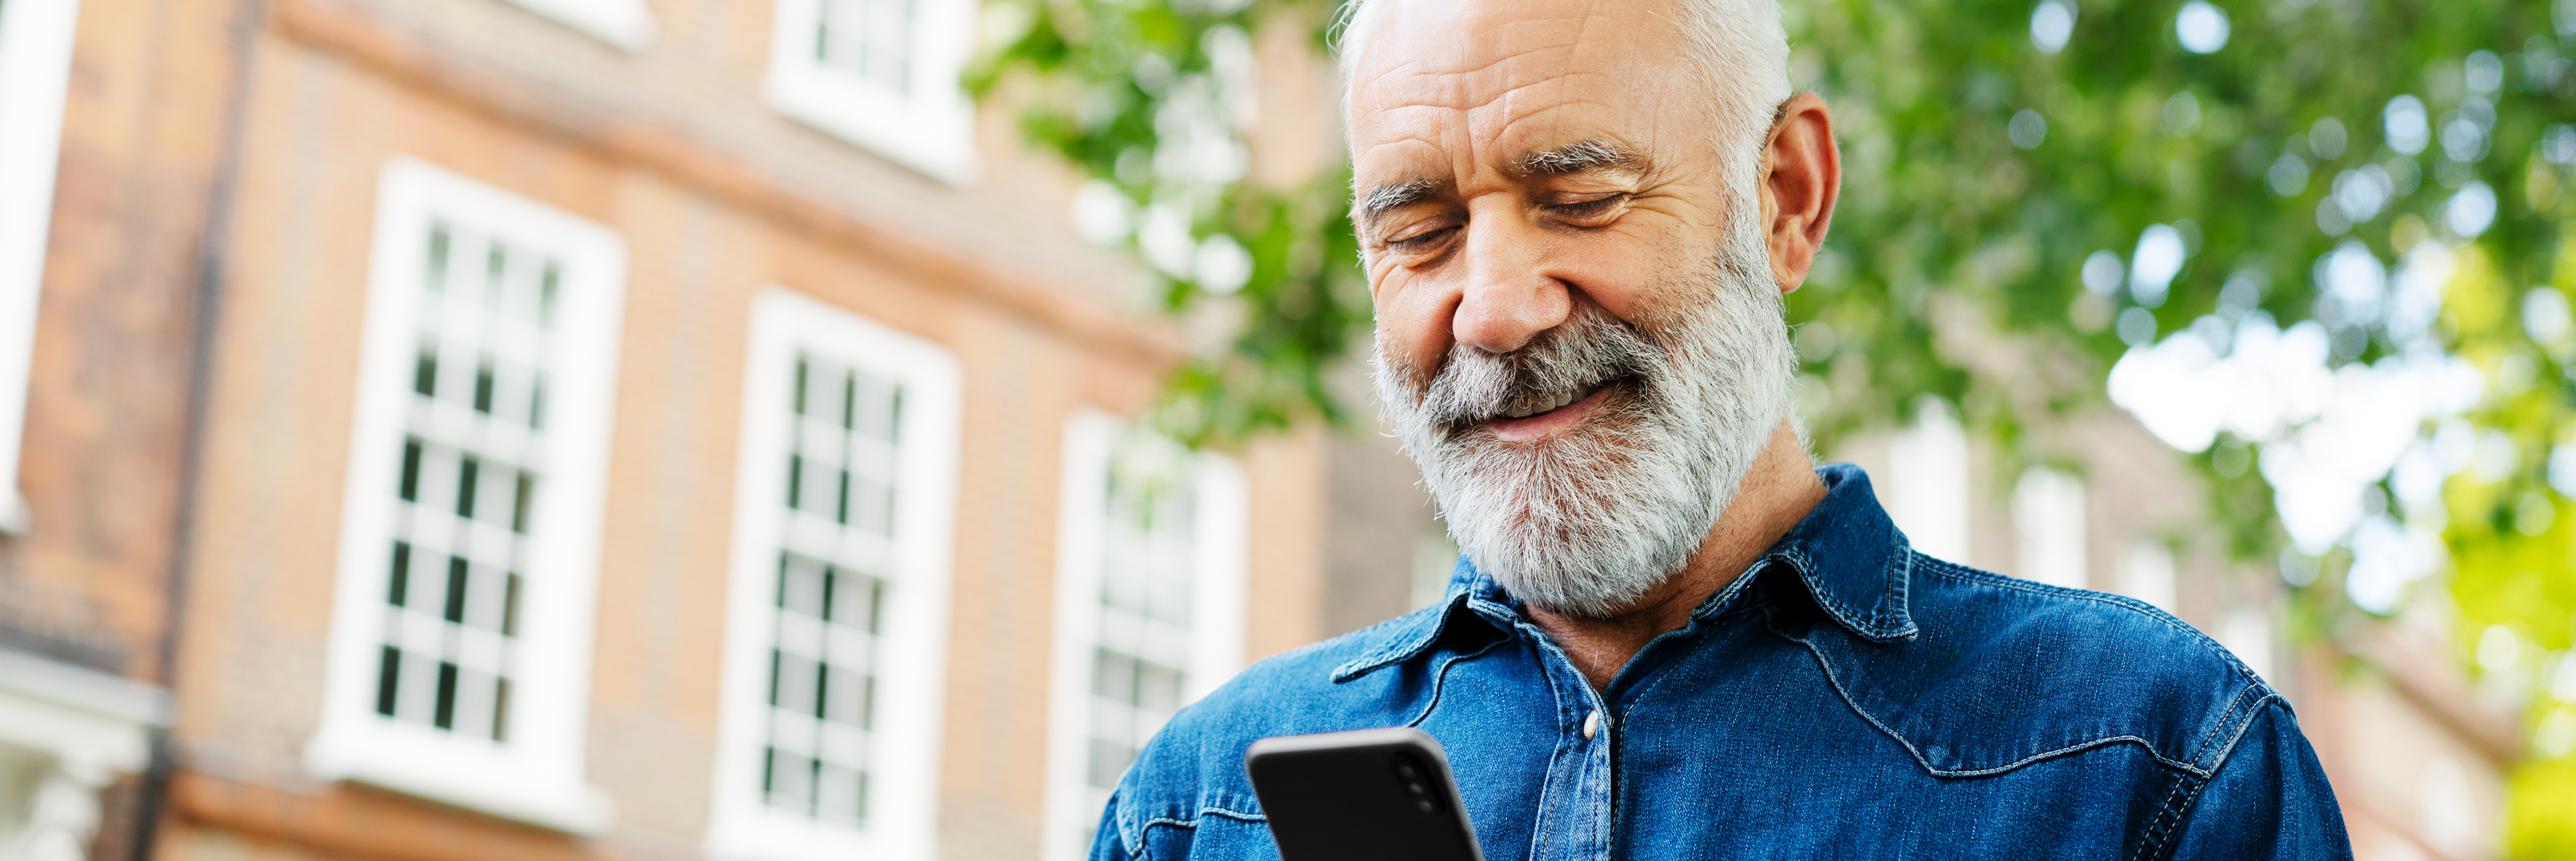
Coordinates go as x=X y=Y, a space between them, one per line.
x=1558 y=403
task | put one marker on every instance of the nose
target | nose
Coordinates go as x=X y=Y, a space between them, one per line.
x=1510 y=295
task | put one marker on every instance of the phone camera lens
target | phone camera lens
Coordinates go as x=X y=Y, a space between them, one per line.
x=1423 y=805
x=1407 y=771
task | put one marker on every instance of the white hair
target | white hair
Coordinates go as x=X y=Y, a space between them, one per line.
x=1737 y=50
x=1588 y=521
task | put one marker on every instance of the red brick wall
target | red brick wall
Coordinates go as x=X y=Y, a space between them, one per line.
x=107 y=401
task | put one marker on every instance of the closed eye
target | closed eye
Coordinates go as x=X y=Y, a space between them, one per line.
x=1586 y=210
x=1423 y=241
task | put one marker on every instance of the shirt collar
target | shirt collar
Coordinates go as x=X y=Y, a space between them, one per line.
x=1846 y=551
x=1852 y=558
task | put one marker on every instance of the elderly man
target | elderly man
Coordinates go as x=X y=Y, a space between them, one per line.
x=1670 y=635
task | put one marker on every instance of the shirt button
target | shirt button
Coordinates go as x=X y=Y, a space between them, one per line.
x=1592 y=723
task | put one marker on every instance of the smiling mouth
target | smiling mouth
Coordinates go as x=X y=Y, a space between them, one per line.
x=1528 y=409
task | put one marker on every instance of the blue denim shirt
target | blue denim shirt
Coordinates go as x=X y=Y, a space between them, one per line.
x=1846 y=697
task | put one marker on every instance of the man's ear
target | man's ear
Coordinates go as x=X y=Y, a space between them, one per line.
x=1802 y=176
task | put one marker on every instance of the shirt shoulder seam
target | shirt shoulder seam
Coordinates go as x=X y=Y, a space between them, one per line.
x=1831 y=678
x=2232 y=724
x=2170 y=818
x=2153 y=843
x=1955 y=571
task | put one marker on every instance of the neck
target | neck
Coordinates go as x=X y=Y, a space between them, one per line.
x=1777 y=492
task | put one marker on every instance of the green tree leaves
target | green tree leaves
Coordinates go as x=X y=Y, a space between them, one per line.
x=1153 y=101
x=2034 y=191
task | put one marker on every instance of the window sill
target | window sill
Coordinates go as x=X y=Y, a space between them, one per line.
x=756 y=833
x=94 y=724
x=421 y=763
x=626 y=26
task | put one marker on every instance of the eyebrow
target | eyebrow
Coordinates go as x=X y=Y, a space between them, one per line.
x=1385 y=198
x=1580 y=157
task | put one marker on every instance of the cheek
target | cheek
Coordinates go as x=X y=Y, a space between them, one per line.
x=1413 y=321
x=1625 y=272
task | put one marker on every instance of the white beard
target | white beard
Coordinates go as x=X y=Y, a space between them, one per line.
x=1585 y=522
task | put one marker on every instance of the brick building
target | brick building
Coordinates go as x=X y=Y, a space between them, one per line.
x=582 y=428
x=448 y=429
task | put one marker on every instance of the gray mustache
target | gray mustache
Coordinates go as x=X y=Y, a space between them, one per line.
x=1588 y=349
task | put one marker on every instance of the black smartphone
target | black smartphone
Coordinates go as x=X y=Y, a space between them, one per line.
x=1361 y=795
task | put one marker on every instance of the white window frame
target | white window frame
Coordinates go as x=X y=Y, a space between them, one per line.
x=903 y=794
x=623 y=23
x=930 y=129
x=537 y=776
x=35 y=68
x=1219 y=549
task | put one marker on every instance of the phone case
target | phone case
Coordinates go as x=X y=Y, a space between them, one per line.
x=1361 y=795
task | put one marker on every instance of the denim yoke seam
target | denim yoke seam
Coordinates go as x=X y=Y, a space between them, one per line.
x=2168 y=822
x=1971 y=575
x=2226 y=719
x=2157 y=842
x=1853 y=703
x=2217 y=756
x=1142 y=850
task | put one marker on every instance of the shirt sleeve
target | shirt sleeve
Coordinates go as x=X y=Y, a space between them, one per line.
x=1106 y=843
x=2269 y=799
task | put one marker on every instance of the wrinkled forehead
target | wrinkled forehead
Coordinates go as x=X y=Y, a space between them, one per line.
x=1444 y=86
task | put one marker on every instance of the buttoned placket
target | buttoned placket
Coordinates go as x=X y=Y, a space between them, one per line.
x=1574 y=809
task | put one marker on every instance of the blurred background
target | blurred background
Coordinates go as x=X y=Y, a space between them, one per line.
x=788 y=430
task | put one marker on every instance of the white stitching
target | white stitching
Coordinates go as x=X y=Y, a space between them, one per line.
x=1875 y=625
x=2256 y=685
x=2148 y=840
x=1854 y=702
x=2173 y=829
x=1902 y=585
x=1140 y=851
x=2223 y=718
x=1972 y=575
x=1236 y=815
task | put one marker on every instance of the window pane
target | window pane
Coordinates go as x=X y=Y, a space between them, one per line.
x=839 y=478
x=870 y=40
x=1147 y=567
x=468 y=492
